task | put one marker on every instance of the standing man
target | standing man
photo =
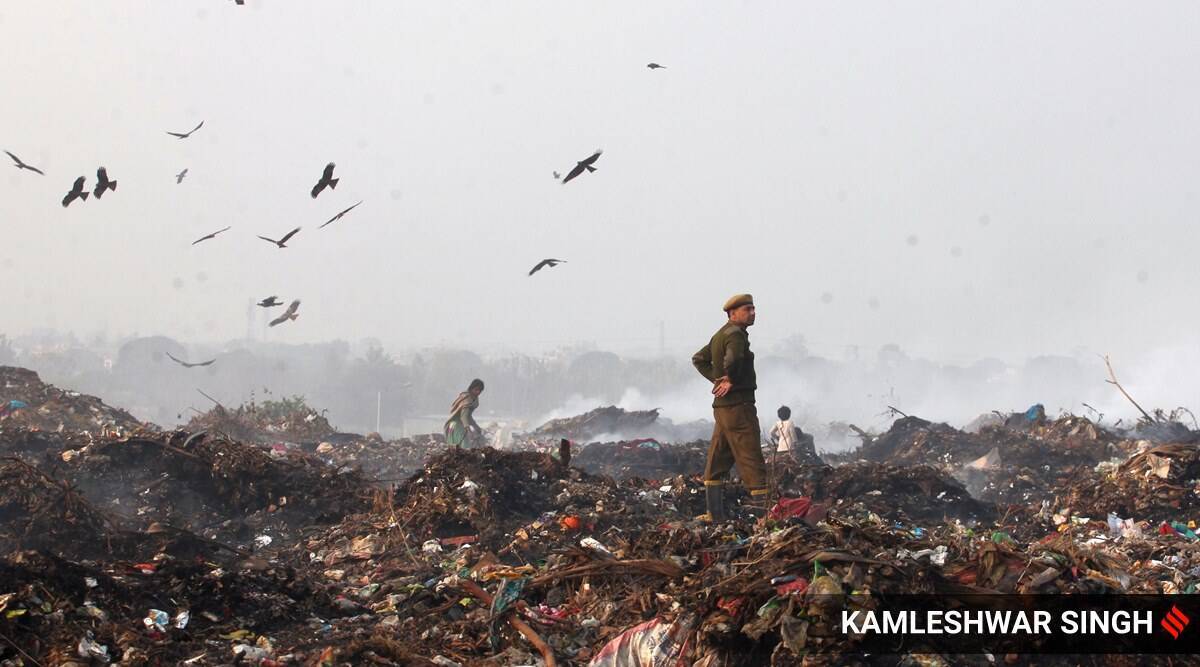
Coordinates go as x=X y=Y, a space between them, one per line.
x=728 y=363
x=461 y=426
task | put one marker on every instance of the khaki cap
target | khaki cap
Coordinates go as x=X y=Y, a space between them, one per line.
x=738 y=300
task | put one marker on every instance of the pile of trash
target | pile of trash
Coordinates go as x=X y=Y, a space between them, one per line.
x=600 y=568
x=646 y=457
x=38 y=511
x=899 y=493
x=216 y=487
x=1021 y=461
x=27 y=402
x=1161 y=484
x=601 y=421
x=384 y=462
x=196 y=547
x=288 y=420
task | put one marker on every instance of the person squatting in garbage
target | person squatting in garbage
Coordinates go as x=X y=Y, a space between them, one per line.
x=461 y=428
x=728 y=363
x=789 y=439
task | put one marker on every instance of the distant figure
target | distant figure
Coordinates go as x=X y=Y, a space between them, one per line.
x=327 y=180
x=564 y=452
x=461 y=428
x=656 y=66
x=788 y=438
x=77 y=192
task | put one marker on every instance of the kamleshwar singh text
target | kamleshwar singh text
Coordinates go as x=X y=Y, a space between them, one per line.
x=991 y=621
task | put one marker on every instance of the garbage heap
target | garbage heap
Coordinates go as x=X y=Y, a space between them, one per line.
x=490 y=557
x=613 y=422
x=147 y=548
x=1160 y=484
x=199 y=549
x=216 y=487
x=920 y=494
x=646 y=457
x=1021 y=464
x=27 y=402
x=591 y=425
x=288 y=419
x=383 y=461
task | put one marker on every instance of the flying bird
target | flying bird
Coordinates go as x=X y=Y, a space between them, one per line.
x=185 y=364
x=102 y=183
x=327 y=180
x=185 y=135
x=211 y=236
x=21 y=165
x=77 y=192
x=179 y=176
x=289 y=314
x=656 y=66
x=270 y=302
x=281 y=242
x=582 y=165
x=546 y=262
x=557 y=175
x=339 y=215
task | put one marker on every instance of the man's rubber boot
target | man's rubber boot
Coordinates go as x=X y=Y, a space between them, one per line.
x=714 y=502
x=759 y=504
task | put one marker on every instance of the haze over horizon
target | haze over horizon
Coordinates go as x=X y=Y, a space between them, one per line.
x=962 y=181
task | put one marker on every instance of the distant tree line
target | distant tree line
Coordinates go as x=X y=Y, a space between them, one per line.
x=345 y=380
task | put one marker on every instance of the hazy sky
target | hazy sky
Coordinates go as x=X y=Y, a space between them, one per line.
x=961 y=178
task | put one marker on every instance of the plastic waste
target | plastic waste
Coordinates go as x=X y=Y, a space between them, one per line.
x=1127 y=528
x=794 y=587
x=937 y=555
x=1183 y=529
x=593 y=543
x=157 y=619
x=89 y=648
x=655 y=642
x=251 y=653
x=989 y=461
x=570 y=522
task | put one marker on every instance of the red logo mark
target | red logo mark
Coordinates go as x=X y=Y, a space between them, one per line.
x=1174 y=622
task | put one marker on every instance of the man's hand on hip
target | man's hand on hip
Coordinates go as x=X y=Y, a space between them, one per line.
x=722 y=386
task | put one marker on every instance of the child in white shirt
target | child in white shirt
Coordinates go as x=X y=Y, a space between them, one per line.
x=788 y=438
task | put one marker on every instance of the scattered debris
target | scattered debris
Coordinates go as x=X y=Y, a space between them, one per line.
x=200 y=547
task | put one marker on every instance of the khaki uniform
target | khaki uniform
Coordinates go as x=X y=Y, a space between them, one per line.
x=736 y=435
